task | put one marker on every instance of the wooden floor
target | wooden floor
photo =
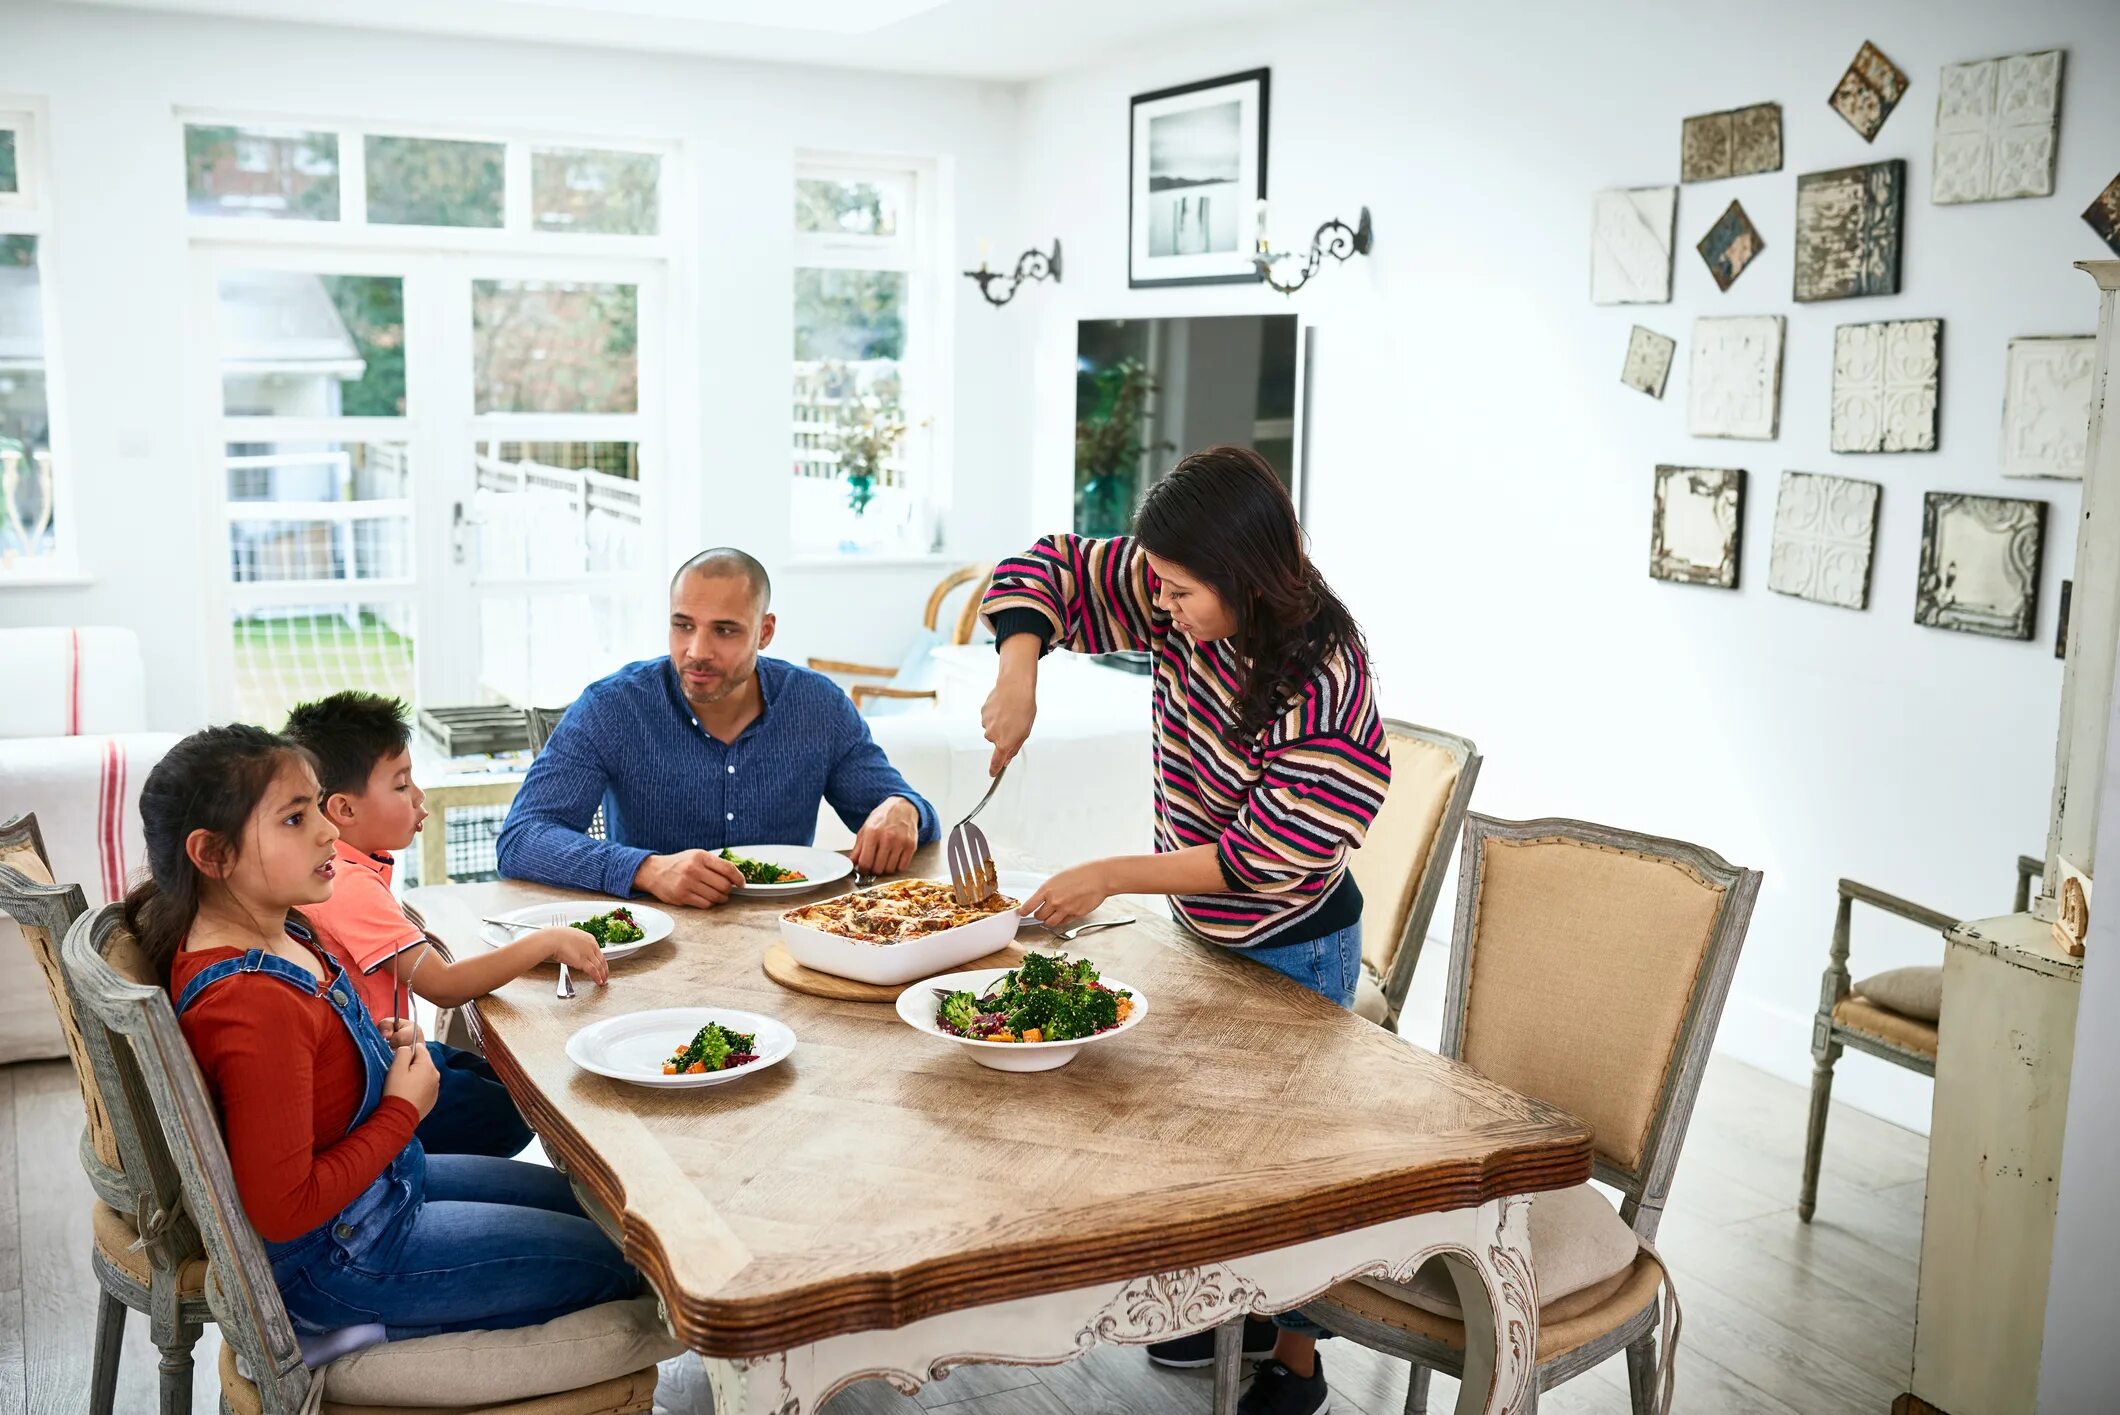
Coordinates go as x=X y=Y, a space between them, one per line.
x=1780 y=1316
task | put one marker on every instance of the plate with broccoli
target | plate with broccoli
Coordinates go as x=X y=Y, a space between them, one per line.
x=620 y=929
x=1032 y=1017
x=786 y=869
x=678 y=1048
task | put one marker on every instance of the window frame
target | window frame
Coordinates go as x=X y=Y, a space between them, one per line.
x=27 y=211
x=919 y=249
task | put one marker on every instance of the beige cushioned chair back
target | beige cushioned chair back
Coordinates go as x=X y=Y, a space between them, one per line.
x=45 y=950
x=1583 y=960
x=1394 y=853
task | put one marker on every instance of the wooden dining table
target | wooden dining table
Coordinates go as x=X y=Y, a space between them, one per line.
x=879 y=1206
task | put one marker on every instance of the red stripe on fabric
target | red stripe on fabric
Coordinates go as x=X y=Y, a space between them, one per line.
x=73 y=682
x=109 y=817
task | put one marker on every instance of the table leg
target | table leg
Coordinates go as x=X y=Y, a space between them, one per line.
x=1499 y=1294
x=754 y=1387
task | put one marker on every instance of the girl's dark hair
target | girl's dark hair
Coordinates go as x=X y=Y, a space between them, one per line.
x=1223 y=514
x=211 y=781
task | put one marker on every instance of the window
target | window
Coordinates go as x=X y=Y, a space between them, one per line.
x=272 y=174
x=36 y=528
x=866 y=359
x=432 y=182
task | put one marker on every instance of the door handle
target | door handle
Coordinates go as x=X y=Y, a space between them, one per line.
x=460 y=527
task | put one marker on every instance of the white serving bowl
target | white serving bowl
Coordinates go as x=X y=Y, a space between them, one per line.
x=889 y=964
x=917 y=1004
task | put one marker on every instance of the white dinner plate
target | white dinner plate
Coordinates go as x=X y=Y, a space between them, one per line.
x=916 y=1008
x=655 y=925
x=822 y=866
x=633 y=1047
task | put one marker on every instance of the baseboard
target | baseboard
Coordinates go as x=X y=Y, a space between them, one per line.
x=1778 y=1041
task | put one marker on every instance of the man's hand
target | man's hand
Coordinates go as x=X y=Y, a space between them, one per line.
x=888 y=838
x=697 y=879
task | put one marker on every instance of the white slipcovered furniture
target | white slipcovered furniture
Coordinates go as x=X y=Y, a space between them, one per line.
x=73 y=749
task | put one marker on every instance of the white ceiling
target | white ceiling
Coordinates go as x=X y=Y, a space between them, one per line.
x=990 y=39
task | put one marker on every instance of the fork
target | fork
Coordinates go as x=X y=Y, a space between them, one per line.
x=566 y=983
x=1072 y=932
x=972 y=873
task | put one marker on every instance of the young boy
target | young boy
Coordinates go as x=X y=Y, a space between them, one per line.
x=362 y=744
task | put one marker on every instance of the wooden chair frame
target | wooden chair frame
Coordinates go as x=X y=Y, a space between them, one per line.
x=1645 y=1187
x=540 y=722
x=1829 y=1037
x=23 y=830
x=961 y=633
x=1413 y=934
x=144 y=1191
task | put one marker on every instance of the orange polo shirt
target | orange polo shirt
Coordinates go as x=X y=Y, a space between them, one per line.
x=364 y=928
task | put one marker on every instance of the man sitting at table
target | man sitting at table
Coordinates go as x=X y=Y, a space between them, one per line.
x=714 y=746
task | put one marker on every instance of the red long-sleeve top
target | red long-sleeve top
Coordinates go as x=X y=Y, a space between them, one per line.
x=288 y=1080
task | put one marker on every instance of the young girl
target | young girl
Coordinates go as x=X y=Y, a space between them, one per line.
x=1269 y=755
x=318 y=1105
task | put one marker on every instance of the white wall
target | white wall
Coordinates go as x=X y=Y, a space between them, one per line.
x=118 y=255
x=1480 y=480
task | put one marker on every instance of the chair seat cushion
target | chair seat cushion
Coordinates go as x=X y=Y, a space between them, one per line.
x=1859 y=1014
x=1911 y=992
x=115 y=1235
x=1369 y=1001
x=629 y=1394
x=1578 y=1243
x=1560 y=1330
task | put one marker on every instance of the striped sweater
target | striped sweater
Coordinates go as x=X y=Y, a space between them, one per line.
x=1284 y=811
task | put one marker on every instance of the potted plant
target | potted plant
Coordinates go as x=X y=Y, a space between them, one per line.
x=1108 y=447
x=866 y=430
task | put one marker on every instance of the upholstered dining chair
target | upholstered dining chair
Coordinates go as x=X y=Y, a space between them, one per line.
x=1401 y=864
x=1893 y=1015
x=908 y=679
x=540 y=722
x=1588 y=969
x=145 y=1253
x=599 y=1361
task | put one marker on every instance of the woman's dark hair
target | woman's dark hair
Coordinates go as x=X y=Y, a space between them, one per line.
x=1223 y=514
x=211 y=781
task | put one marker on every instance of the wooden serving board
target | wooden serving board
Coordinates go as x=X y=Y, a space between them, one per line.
x=781 y=967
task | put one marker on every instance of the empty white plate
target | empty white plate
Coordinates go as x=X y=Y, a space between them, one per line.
x=633 y=1047
x=821 y=866
x=655 y=925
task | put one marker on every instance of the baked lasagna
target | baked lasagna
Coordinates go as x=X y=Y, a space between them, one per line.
x=895 y=912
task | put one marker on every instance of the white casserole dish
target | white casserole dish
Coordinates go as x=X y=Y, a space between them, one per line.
x=889 y=964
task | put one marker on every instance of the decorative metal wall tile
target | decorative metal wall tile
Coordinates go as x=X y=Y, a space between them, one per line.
x=1847 y=231
x=2046 y=406
x=1825 y=529
x=1730 y=245
x=1734 y=389
x=1736 y=143
x=1996 y=123
x=1868 y=91
x=2104 y=215
x=1698 y=522
x=1648 y=363
x=1979 y=564
x=1630 y=246
x=1885 y=384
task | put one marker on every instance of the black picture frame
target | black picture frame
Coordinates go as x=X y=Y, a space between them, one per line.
x=1136 y=277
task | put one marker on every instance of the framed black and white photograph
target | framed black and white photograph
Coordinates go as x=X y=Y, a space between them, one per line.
x=1197 y=175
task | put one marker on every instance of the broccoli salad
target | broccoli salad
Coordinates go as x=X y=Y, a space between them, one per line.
x=1050 y=998
x=714 y=1048
x=612 y=929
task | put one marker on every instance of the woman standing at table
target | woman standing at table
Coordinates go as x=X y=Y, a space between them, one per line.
x=1269 y=755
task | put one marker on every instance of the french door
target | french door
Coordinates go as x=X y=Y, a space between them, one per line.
x=439 y=476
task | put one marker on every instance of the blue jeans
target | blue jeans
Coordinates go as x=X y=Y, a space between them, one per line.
x=472 y=1113
x=1330 y=967
x=494 y=1244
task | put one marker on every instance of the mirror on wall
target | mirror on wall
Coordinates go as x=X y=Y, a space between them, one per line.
x=1147 y=391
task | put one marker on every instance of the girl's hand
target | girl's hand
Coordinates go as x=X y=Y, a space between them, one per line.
x=413 y=1078
x=578 y=951
x=402 y=1032
x=1069 y=895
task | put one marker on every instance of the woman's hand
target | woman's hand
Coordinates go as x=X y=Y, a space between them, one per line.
x=578 y=951
x=413 y=1078
x=1069 y=895
x=1013 y=705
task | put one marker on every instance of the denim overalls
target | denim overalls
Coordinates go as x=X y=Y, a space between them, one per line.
x=397 y=1191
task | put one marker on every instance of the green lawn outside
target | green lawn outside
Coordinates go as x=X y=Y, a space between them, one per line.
x=282 y=662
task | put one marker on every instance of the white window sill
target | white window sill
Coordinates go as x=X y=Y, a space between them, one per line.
x=856 y=560
x=46 y=580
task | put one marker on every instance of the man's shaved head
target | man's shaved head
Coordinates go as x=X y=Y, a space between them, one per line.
x=727 y=560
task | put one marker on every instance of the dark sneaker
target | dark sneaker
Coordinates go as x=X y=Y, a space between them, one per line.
x=1189 y=1352
x=1276 y=1390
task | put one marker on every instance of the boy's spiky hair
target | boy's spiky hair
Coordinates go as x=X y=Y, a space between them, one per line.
x=349 y=733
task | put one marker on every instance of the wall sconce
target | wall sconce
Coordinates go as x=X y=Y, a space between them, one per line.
x=1031 y=265
x=1335 y=238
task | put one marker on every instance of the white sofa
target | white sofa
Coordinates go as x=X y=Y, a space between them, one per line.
x=73 y=749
